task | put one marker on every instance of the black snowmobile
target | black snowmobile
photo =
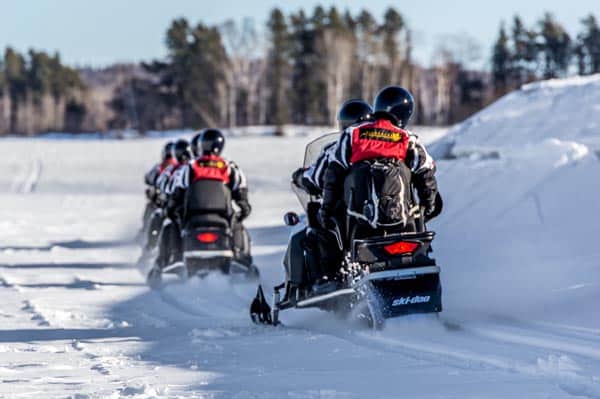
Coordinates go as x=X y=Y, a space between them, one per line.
x=384 y=272
x=208 y=242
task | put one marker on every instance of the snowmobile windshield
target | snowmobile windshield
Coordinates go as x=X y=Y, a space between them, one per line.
x=315 y=147
x=312 y=152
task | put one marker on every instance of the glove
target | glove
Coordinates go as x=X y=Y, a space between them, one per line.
x=434 y=209
x=297 y=177
x=245 y=210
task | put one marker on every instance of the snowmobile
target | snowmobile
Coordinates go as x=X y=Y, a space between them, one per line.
x=383 y=274
x=207 y=237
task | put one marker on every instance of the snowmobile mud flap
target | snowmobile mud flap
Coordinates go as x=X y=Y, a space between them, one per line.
x=407 y=291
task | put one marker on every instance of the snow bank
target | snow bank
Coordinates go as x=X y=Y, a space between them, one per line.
x=567 y=109
x=518 y=234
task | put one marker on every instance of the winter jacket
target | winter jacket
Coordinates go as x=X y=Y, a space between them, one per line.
x=379 y=138
x=212 y=168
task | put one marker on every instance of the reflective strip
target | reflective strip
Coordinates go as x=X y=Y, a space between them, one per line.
x=403 y=273
x=208 y=254
x=317 y=299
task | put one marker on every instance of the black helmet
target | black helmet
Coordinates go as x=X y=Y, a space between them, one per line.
x=181 y=150
x=212 y=142
x=352 y=111
x=397 y=101
x=195 y=144
x=167 y=151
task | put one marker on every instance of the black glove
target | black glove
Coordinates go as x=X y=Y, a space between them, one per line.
x=434 y=209
x=245 y=210
x=297 y=177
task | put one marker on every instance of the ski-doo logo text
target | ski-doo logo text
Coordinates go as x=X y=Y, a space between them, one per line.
x=410 y=300
x=381 y=135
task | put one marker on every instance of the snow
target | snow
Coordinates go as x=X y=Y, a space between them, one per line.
x=516 y=244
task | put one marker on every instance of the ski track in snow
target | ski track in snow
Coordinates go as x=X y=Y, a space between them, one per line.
x=77 y=321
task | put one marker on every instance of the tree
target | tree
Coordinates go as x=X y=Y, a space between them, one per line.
x=555 y=47
x=392 y=26
x=16 y=81
x=589 y=46
x=338 y=43
x=278 y=70
x=524 y=53
x=367 y=52
x=501 y=66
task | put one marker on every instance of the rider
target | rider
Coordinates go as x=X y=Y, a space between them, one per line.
x=383 y=137
x=170 y=246
x=150 y=179
x=318 y=243
x=194 y=142
x=311 y=179
x=210 y=165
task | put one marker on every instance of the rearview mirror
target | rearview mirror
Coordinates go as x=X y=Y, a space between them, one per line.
x=291 y=219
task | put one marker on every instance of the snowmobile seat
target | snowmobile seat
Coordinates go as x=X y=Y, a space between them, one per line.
x=207 y=220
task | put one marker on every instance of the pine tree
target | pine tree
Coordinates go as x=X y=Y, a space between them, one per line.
x=16 y=81
x=555 y=47
x=589 y=42
x=501 y=63
x=393 y=24
x=524 y=53
x=278 y=70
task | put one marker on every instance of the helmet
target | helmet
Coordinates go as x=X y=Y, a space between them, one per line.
x=195 y=144
x=212 y=142
x=167 y=151
x=397 y=101
x=181 y=151
x=352 y=111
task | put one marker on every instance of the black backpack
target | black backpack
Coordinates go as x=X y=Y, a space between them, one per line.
x=378 y=192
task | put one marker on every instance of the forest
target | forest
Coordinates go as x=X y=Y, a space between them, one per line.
x=297 y=69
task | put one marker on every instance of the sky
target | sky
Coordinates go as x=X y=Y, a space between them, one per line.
x=101 y=32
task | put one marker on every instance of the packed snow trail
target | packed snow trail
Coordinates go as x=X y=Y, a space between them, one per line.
x=519 y=271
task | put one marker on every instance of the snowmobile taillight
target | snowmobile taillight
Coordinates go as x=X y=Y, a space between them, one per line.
x=207 y=237
x=401 y=248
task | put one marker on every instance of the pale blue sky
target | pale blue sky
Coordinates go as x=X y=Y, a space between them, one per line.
x=104 y=31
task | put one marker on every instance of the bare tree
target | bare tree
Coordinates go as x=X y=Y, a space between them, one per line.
x=245 y=70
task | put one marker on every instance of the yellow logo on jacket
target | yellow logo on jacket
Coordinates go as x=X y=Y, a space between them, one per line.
x=381 y=134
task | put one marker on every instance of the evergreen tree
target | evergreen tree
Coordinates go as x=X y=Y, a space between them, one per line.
x=304 y=98
x=278 y=67
x=393 y=24
x=501 y=62
x=555 y=47
x=16 y=82
x=524 y=53
x=589 y=43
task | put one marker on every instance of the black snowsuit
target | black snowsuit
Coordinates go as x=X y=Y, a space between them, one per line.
x=181 y=207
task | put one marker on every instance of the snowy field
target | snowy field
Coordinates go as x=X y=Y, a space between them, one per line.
x=516 y=243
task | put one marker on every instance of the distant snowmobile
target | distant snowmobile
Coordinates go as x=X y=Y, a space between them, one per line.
x=209 y=234
x=383 y=274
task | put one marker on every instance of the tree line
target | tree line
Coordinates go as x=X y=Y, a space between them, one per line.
x=297 y=69
x=298 y=72
x=38 y=93
x=523 y=54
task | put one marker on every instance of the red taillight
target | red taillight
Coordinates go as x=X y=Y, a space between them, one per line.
x=401 y=248
x=207 y=238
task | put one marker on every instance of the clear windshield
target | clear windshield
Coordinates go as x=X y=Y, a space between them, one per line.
x=312 y=152
x=315 y=147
